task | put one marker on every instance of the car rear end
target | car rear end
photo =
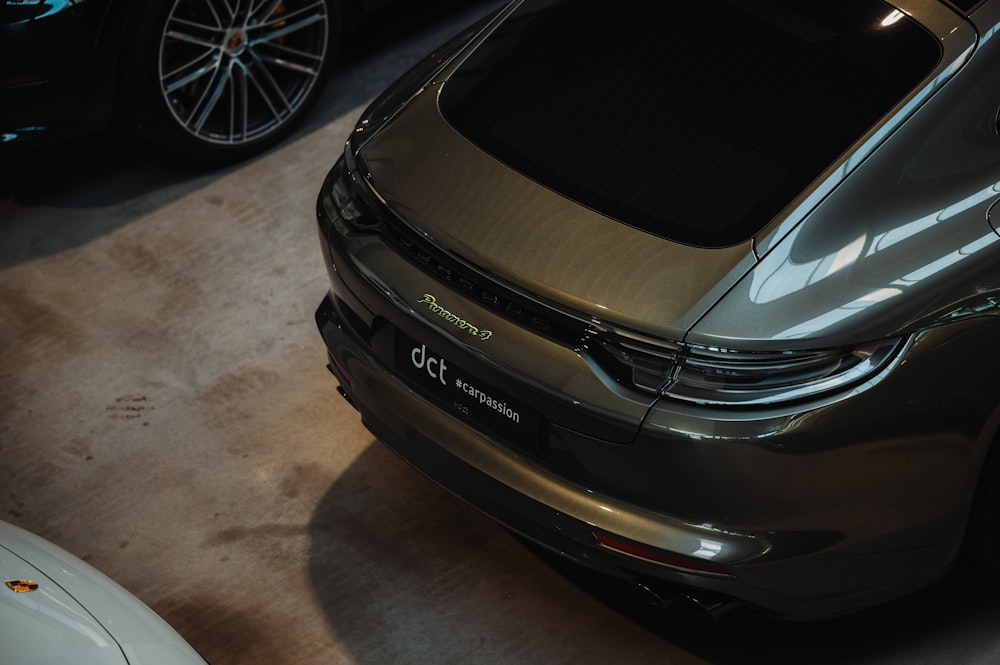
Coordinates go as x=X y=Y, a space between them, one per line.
x=515 y=303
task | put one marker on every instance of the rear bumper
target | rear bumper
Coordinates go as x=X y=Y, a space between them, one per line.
x=804 y=514
x=496 y=480
x=565 y=517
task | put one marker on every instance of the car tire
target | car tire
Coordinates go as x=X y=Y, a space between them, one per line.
x=982 y=541
x=214 y=86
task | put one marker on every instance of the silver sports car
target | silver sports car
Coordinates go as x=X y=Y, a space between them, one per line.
x=699 y=295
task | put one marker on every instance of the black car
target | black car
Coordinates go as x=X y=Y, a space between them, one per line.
x=208 y=80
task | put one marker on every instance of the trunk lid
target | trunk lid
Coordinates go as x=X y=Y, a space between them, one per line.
x=536 y=241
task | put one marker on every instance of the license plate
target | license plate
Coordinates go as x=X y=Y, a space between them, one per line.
x=470 y=398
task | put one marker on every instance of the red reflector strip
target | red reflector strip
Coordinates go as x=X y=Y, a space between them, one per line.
x=659 y=556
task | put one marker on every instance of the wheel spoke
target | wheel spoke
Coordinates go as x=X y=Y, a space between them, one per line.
x=287 y=24
x=270 y=93
x=223 y=12
x=204 y=65
x=245 y=106
x=283 y=63
x=239 y=108
x=188 y=38
x=215 y=15
x=264 y=10
x=209 y=100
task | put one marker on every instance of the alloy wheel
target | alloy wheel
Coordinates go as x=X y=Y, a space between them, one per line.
x=235 y=71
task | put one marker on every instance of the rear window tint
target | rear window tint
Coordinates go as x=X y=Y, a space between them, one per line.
x=696 y=122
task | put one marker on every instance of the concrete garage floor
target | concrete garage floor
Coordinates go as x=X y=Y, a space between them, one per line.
x=165 y=413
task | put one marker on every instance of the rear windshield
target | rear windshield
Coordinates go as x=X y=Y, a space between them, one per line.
x=696 y=122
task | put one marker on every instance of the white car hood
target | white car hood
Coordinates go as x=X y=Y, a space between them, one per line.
x=76 y=615
x=47 y=625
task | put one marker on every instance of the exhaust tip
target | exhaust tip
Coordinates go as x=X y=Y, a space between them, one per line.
x=706 y=605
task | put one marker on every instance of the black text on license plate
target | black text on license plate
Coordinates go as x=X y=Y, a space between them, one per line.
x=466 y=395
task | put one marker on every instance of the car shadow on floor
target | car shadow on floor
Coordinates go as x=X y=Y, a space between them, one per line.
x=404 y=571
x=955 y=619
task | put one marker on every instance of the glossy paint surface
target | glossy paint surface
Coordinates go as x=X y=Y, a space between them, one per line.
x=902 y=244
x=807 y=503
x=529 y=236
x=47 y=623
x=76 y=614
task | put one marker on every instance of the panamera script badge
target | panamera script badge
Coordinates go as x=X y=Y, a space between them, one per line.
x=454 y=319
